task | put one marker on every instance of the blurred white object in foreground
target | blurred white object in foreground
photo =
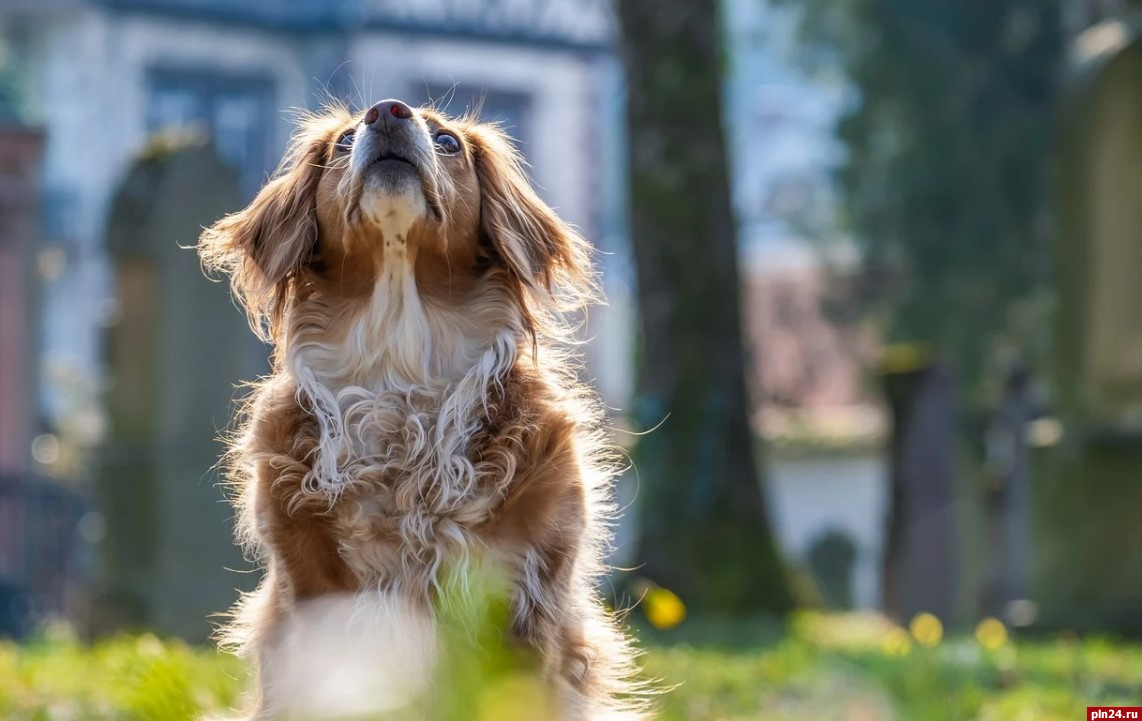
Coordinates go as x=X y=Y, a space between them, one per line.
x=369 y=654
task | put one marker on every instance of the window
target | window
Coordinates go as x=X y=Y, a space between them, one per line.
x=236 y=111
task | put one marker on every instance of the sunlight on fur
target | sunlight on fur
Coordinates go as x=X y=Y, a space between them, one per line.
x=424 y=423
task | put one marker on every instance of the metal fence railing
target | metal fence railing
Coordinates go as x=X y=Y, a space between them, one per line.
x=40 y=547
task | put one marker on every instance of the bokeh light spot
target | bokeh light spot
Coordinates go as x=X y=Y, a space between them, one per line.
x=927 y=630
x=663 y=608
x=991 y=634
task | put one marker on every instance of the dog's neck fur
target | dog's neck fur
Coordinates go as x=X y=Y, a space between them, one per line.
x=402 y=386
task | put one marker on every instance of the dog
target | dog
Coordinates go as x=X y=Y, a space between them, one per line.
x=423 y=422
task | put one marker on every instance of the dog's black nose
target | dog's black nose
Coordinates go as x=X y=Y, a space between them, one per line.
x=389 y=110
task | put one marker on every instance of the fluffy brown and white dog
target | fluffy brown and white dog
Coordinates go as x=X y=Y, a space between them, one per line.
x=423 y=419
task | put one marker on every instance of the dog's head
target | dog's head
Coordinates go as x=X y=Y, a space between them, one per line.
x=397 y=189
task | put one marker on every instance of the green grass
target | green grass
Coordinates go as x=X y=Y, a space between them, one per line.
x=841 y=668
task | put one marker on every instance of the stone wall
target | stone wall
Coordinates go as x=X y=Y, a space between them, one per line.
x=1088 y=487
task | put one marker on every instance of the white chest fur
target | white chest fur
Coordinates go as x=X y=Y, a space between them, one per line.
x=398 y=395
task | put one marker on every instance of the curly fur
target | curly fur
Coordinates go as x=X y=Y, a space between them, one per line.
x=423 y=419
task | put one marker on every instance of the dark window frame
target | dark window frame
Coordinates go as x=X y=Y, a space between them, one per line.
x=210 y=86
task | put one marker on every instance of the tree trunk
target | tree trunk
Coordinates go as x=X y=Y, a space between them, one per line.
x=705 y=532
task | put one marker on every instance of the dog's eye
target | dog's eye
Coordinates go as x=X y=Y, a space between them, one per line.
x=447 y=142
x=345 y=142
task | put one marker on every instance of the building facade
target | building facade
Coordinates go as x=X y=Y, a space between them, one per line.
x=99 y=76
x=99 y=80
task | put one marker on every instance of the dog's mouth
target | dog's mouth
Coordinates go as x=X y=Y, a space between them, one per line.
x=390 y=159
x=393 y=171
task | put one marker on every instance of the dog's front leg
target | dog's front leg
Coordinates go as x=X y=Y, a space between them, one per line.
x=587 y=659
x=552 y=599
x=291 y=527
x=291 y=530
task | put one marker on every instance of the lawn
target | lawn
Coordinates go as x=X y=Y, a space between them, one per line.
x=842 y=668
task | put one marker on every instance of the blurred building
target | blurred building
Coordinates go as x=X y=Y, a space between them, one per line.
x=36 y=517
x=99 y=78
x=100 y=75
x=19 y=160
x=20 y=148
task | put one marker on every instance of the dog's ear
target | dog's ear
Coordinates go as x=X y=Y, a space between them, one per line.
x=541 y=252
x=263 y=247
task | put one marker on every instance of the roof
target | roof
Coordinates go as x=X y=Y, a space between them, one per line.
x=571 y=24
x=810 y=375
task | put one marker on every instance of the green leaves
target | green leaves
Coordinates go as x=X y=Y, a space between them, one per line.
x=484 y=675
x=949 y=149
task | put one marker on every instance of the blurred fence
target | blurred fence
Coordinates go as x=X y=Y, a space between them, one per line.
x=41 y=551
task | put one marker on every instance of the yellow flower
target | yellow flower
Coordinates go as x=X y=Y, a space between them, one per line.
x=991 y=634
x=927 y=630
x=896 y=643
x=663 y=608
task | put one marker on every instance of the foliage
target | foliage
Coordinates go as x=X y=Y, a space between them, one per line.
x=862 y=667
x=948 y=155
x=837 y=667
x=130 y=678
